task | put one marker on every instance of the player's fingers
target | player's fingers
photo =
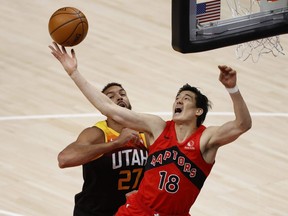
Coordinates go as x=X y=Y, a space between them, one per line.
x=63 y=49
x=136 y=139
x=222 y=67
x=73 y=53
x=222 y=74
x=51 y=47
x=56 y=56
x=56 y=46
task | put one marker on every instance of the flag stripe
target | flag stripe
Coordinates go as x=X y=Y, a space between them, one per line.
x=208 y=11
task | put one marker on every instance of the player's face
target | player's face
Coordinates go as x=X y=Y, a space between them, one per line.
x=184 y=107
x=118 y=96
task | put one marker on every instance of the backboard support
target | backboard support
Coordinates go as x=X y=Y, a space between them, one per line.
x=190 y=36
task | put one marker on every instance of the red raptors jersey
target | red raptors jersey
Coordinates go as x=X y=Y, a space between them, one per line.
x=174 y=173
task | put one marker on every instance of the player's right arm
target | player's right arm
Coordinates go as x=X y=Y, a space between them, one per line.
x=90 y=145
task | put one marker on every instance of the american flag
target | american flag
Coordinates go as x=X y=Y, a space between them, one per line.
x=208 y=11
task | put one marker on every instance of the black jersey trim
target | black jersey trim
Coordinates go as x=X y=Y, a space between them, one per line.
x=198 y=179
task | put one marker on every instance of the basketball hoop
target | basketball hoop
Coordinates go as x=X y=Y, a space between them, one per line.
x=255 y=49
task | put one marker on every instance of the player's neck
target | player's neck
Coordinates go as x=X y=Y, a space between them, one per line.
x=114 y=125
x=183 y=131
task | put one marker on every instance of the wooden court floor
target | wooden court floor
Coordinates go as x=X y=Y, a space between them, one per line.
x=130 y=42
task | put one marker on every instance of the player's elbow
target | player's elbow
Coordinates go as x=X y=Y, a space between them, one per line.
x=248 y=123
x=245 y=125
x=63 y=162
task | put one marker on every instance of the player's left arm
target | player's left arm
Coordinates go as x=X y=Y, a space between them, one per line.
x=231 y=130
x=151 y=124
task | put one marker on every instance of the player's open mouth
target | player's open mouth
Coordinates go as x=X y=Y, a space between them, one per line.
x=178 y=110
x=122 y=104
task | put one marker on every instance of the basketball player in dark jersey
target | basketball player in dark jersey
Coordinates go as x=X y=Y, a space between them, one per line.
x=182 y=151
x=113 y=165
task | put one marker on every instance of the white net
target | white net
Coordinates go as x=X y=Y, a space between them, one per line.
x=255 y=49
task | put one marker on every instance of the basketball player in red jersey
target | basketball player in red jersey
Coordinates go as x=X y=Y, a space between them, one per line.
x=112 y=163
x=183 y=150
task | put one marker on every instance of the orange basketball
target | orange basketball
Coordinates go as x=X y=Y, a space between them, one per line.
x=68 y=26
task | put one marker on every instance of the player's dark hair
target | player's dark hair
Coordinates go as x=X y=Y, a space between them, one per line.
x=201 y=101
x=110 y=85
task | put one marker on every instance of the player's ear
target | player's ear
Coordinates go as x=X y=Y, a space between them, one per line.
x=199 y=111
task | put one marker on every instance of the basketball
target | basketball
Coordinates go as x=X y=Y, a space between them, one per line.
x=68 y=26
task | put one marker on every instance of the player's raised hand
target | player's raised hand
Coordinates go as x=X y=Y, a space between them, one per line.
x=227 y=76
x=68 y=62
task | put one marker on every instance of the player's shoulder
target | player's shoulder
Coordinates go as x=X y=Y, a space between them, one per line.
x=93 y=129
x=92 y=133
x=208 y=133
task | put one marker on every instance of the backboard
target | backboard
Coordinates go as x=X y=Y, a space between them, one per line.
x=198 y=27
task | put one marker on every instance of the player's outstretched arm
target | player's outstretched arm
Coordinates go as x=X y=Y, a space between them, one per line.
x=231 y=130
x=69 y=63
x=91 y=145
x=128 y=118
